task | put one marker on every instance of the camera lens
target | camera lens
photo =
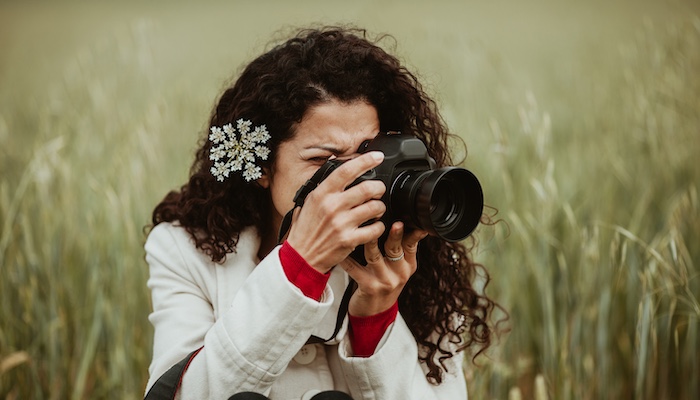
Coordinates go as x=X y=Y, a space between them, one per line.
x=443 y=205
x=446 y=202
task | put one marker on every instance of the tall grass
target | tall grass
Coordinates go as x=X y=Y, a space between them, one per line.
x=82 y=166
x=596 y=258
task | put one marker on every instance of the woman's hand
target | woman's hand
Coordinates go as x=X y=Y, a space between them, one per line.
x=328 y=227
x=381 y=281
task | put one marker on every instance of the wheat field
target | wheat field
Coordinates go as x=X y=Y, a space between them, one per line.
x=582 y=121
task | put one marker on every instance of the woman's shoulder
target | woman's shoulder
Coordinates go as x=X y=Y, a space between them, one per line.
x=169 y=244
x=170 y=236
x=170 y=230
x=163 y=228
x=175 y=238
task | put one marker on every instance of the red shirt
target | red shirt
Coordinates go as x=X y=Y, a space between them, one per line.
x=365 y=332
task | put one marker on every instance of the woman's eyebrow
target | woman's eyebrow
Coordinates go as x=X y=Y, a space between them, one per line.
x=327 y=148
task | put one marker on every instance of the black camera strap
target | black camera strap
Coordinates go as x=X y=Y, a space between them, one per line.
x=299 y=199
x=342 y=311
x=165 y=388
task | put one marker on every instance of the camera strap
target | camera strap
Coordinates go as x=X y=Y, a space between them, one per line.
x=298 y=202
x=300 y=197
x=167 y=385
x=342 y=312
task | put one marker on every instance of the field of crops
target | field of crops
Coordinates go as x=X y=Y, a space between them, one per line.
x=582 y=122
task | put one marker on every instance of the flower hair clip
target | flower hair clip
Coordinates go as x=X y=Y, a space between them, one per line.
x=236 y=149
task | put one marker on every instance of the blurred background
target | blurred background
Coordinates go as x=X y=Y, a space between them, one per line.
x=582 y=120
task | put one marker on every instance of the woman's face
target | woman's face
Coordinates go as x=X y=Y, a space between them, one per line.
x=328 y=130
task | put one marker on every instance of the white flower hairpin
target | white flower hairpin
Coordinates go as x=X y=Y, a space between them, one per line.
x=235 y=149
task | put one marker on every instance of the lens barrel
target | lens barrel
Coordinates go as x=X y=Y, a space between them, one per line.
x=445 y=202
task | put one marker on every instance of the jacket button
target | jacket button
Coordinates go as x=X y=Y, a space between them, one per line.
x=306 y=354
x=311 y=393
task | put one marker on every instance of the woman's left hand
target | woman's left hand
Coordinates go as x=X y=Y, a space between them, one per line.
x=381 y=281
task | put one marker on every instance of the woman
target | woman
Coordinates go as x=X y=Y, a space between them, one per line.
x=243 y=312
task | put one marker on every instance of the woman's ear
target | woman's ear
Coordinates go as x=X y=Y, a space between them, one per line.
x=264 y=180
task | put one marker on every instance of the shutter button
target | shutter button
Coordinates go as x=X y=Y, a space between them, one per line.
x=306 y=354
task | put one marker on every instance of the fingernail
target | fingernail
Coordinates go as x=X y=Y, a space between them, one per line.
x=377 y=155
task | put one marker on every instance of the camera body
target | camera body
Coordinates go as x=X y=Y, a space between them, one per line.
x=446 y=202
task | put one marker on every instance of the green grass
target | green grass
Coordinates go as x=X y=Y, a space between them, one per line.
x=593 y=170
x=596 y=258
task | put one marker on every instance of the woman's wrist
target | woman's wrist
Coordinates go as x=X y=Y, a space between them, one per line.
x=310 y=258
x=365 y=305
x=310 y=281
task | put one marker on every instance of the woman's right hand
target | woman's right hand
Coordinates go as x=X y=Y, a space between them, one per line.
x=329 y=225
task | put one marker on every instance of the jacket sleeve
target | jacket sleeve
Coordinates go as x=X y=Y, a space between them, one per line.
x=393 y=371
x=248 y=346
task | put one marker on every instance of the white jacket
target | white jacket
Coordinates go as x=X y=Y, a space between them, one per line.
x=254 y=323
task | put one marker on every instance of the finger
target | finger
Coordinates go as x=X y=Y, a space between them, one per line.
x=350 y=266
x=410 y=242
x=394 y=246
x=369 y=211
x=368 y=234
x=350 y=170
x=359 y=273
x=364 y=191
x=372 y=253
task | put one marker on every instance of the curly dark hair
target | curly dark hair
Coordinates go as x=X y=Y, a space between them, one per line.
x=277 y=88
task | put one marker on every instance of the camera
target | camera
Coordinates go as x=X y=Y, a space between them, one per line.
x=446 y=202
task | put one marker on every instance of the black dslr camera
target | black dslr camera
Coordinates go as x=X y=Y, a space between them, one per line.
x=445 y=202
